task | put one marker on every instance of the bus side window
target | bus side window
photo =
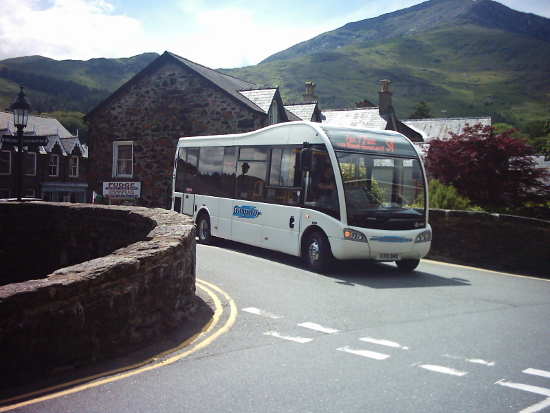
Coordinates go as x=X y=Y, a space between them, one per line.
x=284 y=176
x=180 y=170
x=190 y=167
x=229 y=176
x=251 y=174
x=210 y=171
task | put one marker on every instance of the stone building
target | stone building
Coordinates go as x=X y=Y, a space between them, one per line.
x=134 y=132
x=55 y=172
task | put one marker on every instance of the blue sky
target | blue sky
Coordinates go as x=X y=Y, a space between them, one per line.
x=214 y=33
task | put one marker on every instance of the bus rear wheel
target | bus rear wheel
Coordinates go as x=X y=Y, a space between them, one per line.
x=204 y=236
x=317 y=253
x=407 y=265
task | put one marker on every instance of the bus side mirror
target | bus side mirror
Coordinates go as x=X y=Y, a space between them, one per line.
x=306 y=160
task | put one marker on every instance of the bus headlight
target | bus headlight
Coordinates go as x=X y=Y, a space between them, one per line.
x=425 y=236
x=353 y=235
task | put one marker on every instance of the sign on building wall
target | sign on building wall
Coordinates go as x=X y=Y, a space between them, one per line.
x=122 y=189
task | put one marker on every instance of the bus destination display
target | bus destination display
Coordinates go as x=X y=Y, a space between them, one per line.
x=390 y=145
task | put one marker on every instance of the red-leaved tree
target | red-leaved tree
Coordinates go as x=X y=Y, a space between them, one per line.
x=490 y=169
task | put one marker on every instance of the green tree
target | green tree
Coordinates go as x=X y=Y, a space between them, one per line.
x=446 y=197
x=72 y=121
x=421 y=111
x=492 y=170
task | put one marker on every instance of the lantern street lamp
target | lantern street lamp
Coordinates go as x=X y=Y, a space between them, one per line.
x=21 y=108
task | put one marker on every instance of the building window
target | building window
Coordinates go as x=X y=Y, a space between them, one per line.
x=73 y=167
x=54 y=165
x=30 y=193
x=123 y=159
x=29 y=163
x=5 y=193
x=5 y=162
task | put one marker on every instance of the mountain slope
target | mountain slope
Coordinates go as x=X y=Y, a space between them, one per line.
x=459 y=59
x=54 y=84
x=428 y=16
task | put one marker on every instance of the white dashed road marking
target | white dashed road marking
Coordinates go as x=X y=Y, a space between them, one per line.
x=536 y=372
x=257 y=311
x=475 y=361
x=442 y=369
x=383 y=342
x=365 y=353
x=301 y=340
x=318 y=327
x=532 y=389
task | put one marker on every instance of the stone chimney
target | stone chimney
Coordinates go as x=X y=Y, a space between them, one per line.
x=385 y=98
x=310 y=95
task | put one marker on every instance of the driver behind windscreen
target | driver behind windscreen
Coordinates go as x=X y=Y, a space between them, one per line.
x=325 y=183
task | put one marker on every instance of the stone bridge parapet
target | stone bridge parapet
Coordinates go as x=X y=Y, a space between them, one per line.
x=82 y=283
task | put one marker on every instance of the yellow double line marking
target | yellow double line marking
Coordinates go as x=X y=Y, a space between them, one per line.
x=200 y=340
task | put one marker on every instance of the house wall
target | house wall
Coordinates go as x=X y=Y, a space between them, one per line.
x=34 y=182
x=154 y=111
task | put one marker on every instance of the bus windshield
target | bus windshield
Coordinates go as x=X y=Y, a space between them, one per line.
x=383 y=192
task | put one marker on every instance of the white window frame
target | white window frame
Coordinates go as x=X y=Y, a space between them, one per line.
x=116 y=160
x=9 y=158
x=33 y=155
x=53 y=167
x=74 y=162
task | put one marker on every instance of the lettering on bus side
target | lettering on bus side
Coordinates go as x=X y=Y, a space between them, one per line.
x=246 y=211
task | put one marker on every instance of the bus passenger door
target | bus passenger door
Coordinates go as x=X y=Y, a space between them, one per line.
x=281 y=228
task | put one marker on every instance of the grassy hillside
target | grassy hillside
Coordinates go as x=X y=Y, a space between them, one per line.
x=54 y=84
x=458 y=71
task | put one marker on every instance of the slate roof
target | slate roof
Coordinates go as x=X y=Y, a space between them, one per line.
x=368 y=118
x=440 y=127
x=67 y=145
x=304 y=111
x=44 y=126
x=261 y=97
x=227 y=84
x=38 y=125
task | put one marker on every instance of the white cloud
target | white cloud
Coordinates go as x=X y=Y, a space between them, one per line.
x=232 y=37
x=66 y=29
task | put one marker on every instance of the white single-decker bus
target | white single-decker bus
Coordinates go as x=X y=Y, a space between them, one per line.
x=313 y=190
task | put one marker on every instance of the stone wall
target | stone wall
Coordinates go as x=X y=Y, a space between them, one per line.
x=100 y=308
x=153 y=112
x=492 y=241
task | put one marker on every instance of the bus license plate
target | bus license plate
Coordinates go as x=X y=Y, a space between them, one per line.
x=391 y=257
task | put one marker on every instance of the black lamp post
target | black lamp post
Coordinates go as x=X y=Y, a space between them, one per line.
x=21 y=108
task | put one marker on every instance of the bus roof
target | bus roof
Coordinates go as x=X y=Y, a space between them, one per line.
x=297 y=133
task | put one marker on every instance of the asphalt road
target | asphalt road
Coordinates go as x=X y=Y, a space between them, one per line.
x=363 y=338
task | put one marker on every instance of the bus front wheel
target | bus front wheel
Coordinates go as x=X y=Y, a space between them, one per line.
x=204 y=236
x=317 y=253
x=407 y=265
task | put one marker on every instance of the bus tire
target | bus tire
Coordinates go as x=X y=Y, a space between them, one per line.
x=407 y=265
x=317 y=253
x=204 y=235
